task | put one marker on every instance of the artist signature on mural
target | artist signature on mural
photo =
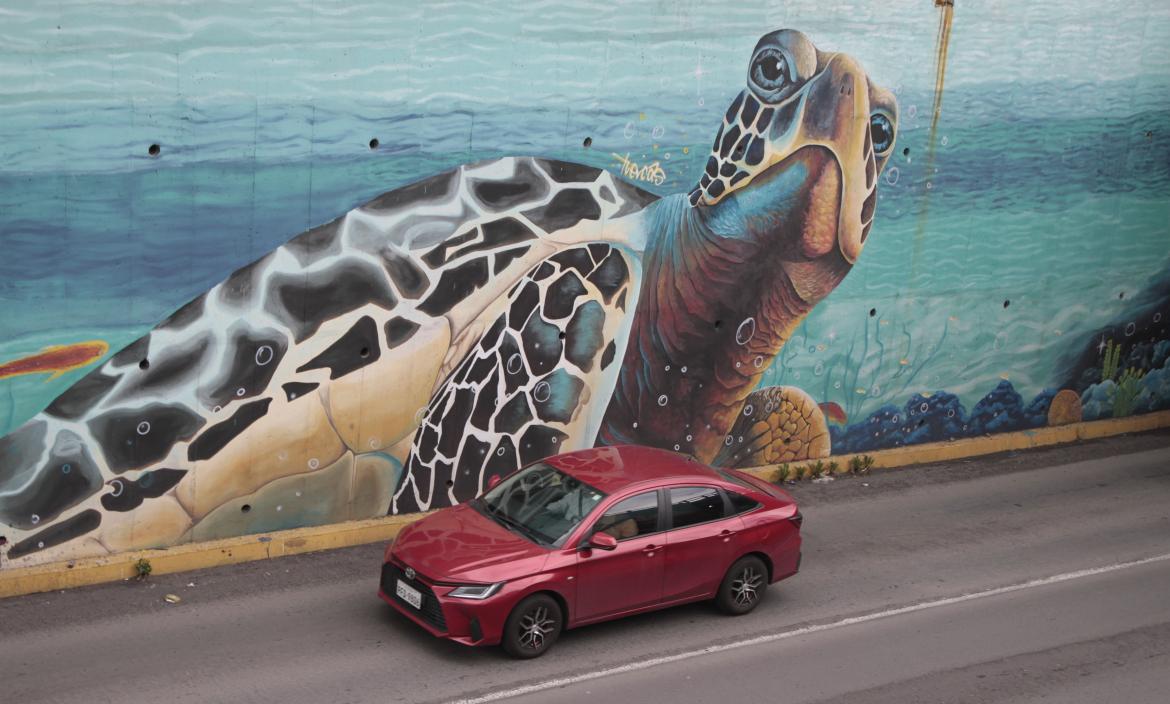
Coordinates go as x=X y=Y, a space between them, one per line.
x=650 y=173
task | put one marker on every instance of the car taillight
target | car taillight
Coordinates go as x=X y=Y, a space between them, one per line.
x=797 y=519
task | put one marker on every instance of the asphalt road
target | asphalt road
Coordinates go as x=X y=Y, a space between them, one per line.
x=310 y=628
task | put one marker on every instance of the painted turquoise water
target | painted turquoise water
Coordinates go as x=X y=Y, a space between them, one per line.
x=1046 y=208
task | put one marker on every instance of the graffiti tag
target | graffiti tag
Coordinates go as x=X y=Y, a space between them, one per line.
x=651 y=173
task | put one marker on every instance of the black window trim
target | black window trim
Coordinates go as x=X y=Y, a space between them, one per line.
x=729 y=507
x=670 y=507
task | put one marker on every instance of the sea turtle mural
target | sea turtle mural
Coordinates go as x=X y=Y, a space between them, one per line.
x=404 y=355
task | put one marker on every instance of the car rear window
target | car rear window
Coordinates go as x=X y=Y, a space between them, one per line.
x=694 y=504
x=740 y=503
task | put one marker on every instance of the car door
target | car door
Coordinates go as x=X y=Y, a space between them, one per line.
x=700 y=541
x=629 y=576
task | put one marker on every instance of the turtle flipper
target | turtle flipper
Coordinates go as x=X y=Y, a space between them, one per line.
x=777 y=424
x=522 y=391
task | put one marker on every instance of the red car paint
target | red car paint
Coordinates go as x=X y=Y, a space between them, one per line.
x=459 y=546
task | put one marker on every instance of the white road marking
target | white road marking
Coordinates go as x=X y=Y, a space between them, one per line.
x=772 y=637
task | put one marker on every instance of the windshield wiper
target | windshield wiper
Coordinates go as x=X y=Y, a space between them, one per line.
x=511 y=523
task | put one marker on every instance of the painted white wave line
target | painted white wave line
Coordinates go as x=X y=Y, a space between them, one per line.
x=772 y=637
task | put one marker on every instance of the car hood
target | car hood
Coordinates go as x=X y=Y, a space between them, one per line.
x=460 y=544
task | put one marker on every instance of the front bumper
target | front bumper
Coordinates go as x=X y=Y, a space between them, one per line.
x=466 y=621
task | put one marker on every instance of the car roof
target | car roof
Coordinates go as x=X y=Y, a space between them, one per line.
x=611 y=469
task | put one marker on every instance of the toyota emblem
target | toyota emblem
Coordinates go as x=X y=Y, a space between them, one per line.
x=410 y=573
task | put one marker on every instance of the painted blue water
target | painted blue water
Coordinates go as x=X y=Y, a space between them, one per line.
x=1049 y=190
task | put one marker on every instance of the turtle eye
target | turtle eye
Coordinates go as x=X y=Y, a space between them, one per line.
x=770 y=70
x=881 y=131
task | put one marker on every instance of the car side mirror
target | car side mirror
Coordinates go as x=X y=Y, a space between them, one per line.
x=602 y=541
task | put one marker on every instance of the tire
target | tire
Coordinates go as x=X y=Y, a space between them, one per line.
x=532 y=627
x=743 y=586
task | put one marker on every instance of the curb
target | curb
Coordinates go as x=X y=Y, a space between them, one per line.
x=927 y=453
x=194 y=556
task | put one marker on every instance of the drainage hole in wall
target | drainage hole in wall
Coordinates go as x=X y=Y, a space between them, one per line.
x=144 y=365
x=3 y=540
x=587 y=143
x=365 y=352
x=872 y=312
x=1006 y=303
x=1121 y=295
x=906 y=151
x=154 y=150
x=374 y=143
x=561 y=335
x=450 y=483
x=718 y=323
x=245 y=508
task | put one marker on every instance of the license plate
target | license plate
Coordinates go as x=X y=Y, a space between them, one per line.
x=408 y=594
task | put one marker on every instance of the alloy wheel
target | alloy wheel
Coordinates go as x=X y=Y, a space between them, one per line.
x=534 y=628
x=745 y=588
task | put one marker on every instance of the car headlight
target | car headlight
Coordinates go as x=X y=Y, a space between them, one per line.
x=476 y=591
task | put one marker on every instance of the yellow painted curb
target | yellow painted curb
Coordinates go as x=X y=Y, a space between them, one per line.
x=987 y=444
x=194 y=556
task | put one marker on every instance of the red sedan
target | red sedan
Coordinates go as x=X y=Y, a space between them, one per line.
x=591 y=536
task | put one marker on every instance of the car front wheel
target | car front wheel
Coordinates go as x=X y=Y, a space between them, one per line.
x=533 y=626
x=743 y=586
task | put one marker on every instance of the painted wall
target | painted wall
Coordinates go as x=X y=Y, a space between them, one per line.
x=177 y=364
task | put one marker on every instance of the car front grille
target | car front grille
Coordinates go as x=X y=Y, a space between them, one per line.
x=430 y=612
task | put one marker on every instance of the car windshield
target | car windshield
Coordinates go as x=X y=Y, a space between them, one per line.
x=541 y=503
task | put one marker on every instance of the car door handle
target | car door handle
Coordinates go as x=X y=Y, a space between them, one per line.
x=726 y=535
x=650 y=550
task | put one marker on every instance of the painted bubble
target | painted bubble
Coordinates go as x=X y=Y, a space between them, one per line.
x=684 y=369
x=667 y=368
x=542 y=391
x=66 y=468
x=515 y=363
x=241 y=391
x=819 y=369
x=143 y=428
x=748 y=410
x=892 y=174
x=264 y=355
x=676 y=447
x=746 y=331
x=758 y=362
x=728 y=440
x=924 y=407
x=314 y=463
x=500 y=452
x=689 y=438
x=34 y=519
x=1130 y=329
x=662 y=400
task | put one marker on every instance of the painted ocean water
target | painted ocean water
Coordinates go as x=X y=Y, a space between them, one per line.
x=1045 y=208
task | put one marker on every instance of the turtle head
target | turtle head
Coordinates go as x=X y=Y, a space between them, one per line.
x=800 y=149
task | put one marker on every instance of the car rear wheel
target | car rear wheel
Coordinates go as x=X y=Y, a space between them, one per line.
x=743 y=586
x=533 y=626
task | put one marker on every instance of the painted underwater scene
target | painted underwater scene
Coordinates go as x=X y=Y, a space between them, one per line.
x=452 y=308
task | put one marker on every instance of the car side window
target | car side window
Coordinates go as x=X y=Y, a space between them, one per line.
x=740 y=503
x=629 y=518
x=694 y=504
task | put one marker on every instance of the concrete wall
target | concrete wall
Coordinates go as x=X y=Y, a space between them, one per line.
x=178 y=364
